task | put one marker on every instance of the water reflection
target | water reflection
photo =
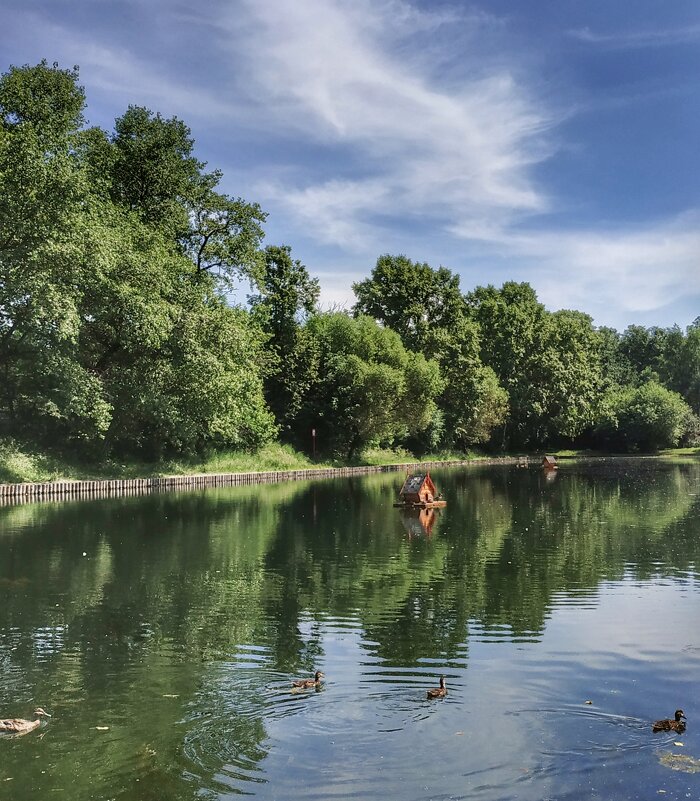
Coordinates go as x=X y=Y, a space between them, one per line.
x=162 y=632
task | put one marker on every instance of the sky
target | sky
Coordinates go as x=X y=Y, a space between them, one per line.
x=552 y=141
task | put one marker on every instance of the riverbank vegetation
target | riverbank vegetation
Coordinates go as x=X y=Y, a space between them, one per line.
x=126 y=337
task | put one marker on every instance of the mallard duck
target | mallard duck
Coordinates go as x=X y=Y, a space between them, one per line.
x=20 y=726
x=306 y=684
x=438 y=692
x=671 y=725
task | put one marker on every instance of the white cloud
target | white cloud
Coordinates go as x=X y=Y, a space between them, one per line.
x=343 y=76
x=659 y=37
x=617 y=271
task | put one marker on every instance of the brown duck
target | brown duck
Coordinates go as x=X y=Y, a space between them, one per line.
x=20 y=726
x=306 y=684
x=438 y=692
x=671 y=725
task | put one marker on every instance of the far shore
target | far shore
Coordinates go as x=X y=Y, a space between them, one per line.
x=60 y=487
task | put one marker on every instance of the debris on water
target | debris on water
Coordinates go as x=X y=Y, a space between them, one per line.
x=682 y=762
x=170 y=695
x=588 y=702
x=680 y=745
x=102 y=728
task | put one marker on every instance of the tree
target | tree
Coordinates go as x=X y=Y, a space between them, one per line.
x=368 y=388
x=111 y=338
x=154 y=173
x=644 y=418
x=473 y=402
x=410 y=298
x=43 y=196
x=548 y=363
x=287 y=296
x=426 y=308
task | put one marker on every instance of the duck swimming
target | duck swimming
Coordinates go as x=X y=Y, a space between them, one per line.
x=20 y=726
x=306 y=684
x=671 y=725
x=438 y=692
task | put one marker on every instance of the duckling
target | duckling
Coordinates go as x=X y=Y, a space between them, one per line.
x=438 y=692
x=306 y=684
x=20 y=726
x=671 y=725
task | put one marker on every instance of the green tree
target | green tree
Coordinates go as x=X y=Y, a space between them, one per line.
x=153 y=172
x=548 y=363
x=426 y=308
x=368 y=388
x=411 y=298
x=644 y=418
x=43 y=196
x=286 y=297
x=105 y=339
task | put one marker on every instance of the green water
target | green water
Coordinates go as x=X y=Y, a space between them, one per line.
x=162 y=634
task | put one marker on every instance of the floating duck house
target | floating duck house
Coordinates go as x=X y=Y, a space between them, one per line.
x=549 y=463
x=419 y=490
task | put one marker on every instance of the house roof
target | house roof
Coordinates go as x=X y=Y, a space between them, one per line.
x=415 y=482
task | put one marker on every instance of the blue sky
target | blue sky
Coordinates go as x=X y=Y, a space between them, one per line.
x=549 y=141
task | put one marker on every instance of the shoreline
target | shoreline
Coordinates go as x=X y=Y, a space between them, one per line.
x=30 y=492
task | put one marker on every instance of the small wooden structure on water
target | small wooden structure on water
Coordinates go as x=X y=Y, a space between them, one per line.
x=549 y=463
x=523 y=461
x=419 y=492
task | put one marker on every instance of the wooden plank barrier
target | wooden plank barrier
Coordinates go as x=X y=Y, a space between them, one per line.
x=61 y=490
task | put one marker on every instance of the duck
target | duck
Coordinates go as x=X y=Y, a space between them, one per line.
x=20 y=726
x=672 y=725
x=438 y=692
x=305 y=684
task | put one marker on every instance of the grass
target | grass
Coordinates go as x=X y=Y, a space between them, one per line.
x=24 y=464
x=20 y=463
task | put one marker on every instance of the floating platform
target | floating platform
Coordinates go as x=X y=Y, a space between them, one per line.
x=421 y=505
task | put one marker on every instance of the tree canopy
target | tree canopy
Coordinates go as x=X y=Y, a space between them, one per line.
x=122 y=333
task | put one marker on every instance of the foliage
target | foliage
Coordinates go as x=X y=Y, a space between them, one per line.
x=410 y=298
x=112 y=339
x=548 y=363
x=120 y=337
x=368 y=389
x=645 y=418
x=426 y=308
x=286 y=296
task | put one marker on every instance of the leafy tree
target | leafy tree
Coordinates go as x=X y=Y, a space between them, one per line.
x=411 y=298
x=368 y=388
x=287 y=296
x=642 y=347
x=644 y=418
x=105 y=339
x=548 y=363
x=473 y=403
x=42 y=232
x=153 y=172
x=426 y=308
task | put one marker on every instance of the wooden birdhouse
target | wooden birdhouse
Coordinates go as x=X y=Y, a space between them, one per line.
x=549 y=463
x=419 y=490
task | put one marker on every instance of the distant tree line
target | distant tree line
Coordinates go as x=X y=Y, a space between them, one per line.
x=119 y=256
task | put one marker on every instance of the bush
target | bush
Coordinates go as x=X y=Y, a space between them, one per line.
x=645 y=418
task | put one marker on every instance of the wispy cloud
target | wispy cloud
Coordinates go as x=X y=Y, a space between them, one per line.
x=613 y=272
x=342 y=75
x=643 y=38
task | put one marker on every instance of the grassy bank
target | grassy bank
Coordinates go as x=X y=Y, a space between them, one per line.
x=20 y=463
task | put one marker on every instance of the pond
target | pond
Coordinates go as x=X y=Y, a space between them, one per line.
x=162 y=633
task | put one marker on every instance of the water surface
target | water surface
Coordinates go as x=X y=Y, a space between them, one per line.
x=163 y=632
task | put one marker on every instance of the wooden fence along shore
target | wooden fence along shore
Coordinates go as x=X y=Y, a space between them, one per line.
x=65 y=490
